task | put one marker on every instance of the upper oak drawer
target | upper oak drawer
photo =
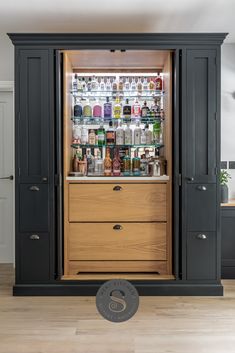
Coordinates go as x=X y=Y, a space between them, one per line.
x=117 y=202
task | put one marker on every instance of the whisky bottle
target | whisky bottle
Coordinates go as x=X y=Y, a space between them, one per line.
x=128 y=135
x=144 y=110
x=158 y=83
x=126 y=164
x=117 y=109
x=110 y=135
x=91 y=137
x=137 y=134
x=107 y=163
x=127 y=110
x=120 y=135
x=107 y=110
x=116 y=163
x=75 y=162
x=151 y=85
x=136 y=164
x=101 y=136
x=97 y=110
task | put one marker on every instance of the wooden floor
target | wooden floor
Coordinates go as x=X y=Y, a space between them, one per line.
x=72 y=324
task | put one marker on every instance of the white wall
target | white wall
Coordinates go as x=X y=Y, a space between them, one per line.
x=6 y=58
x=228 y=110
x=228 y=96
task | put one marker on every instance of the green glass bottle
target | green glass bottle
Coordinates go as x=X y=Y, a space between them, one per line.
x=126 y=164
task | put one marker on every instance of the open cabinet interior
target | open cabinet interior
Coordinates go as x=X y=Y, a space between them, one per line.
x=117 y=164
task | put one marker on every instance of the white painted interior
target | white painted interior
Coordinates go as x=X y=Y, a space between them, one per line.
x=7 y=223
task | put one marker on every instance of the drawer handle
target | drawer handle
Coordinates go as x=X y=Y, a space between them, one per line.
x=34 y=237
x=202 y=188
x=117 y=227
x=34 y=188
x=190 y=178
x=117 y=188
x=201 y=236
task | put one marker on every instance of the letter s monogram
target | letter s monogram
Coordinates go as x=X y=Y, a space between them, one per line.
x=113 y=305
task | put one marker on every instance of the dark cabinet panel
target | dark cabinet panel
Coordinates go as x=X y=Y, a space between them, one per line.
x=201 y=115
x=34 y=264
x=228 y=242
x=201 y=207
x=201 y=256
x=34 y=207
x=34 y=118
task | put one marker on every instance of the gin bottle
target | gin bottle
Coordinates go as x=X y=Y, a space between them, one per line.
x=137 y=134
x=128 y=135
x=120 y=135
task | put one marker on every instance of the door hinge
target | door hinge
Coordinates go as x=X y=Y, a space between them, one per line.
x=180 y=179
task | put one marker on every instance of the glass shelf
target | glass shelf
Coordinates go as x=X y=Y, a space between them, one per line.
x=154 y=145
x=105 y=121
x=146 y=94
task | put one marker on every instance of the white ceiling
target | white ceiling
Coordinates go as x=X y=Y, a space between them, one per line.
x=118 y=16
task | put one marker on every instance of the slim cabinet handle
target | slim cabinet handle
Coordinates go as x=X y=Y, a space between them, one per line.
x=117 y=188
x=202 y=188
x=190 y=178
x=201 y=236
x=117 y=227
x=34 y=188
x=34 y=237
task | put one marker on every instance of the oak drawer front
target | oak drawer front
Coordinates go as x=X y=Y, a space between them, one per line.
x=76 y=267
x=117 y=202
x=111 y=241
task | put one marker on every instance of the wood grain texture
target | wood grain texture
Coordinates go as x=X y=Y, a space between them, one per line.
x=73 y=325
x=123 y=275
x=117 y=266
x=135 y=202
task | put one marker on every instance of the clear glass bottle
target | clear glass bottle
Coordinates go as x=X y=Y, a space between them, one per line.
x=75 y=83
x=145 y=85
x=136 y=164
x=91 y=137
x=143 y=166
x=101 y=136
x=77 y=109
x=156 y=107
x=87 y=110
x=126 y=110
x=102 y=85
x=116 y=163
x=126 y=164
x=94 y=84
x=115 y=85
x=90 y=163
x=84 y=88
x=145 y=110
x=128 y=135
x=110 y=135
x=117 y=109
x=157 y=134
x=79 y=85
x=143 y=137
x=108 y=85
x=89 y=85
x=77 y=131
x=107 y=110
x=120 y=135
x=97 y=109
x=136 y=110
x=149 y=135
x=139 y=86
x=137 y=134
x=127 y=84
x=120 y=85
x=99 y=164
x=84 y=135
x=133 y=85
x=107 y=163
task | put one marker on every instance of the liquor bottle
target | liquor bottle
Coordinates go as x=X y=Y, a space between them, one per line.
x=120 y=135
x=156 y=107
x=133 y=84
x=91 y=137
x=101 y=136
x=79 y=85
x=94 y=84
x=90 y=163
x=137 y=134
x=87 y=111
x=139 y=86
x=127 y=84
x=116 y=163
x=84 y=88
x=136 y=110
x=108 y=85
x=158 y=83
x=107 y=110
x=151 y=85
x=144 y=110
x=143 y=137
x=126 y=164
x=157 y=131
x=145 y=85
x=89 y=84
x=127 y=110
x=120 y=85
x=128 y=135
x=75 y=83
x=77 y=109
x=143 y=166
x=99 y=164
x=136 y=164
x=102 y=85
x=76 y=132
x=117 y=109
x=110 y=135
x=148 y=134
x=84 y=135
x=97 y=110
x=114 y=85
x=75 y=162
x=107 y=163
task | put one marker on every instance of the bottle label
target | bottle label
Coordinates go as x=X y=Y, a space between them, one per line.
x=101 y=137
x=107 y=110
x=119 y=137
x=78 y=110
x=127 y=110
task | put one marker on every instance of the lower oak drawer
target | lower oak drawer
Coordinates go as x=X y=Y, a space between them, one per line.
x=77 y=267
x=111 y=241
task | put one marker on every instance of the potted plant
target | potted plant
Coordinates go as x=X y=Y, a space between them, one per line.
x=224 y=177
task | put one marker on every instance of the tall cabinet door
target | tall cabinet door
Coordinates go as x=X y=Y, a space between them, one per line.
x=199 y=164
x=33 y=179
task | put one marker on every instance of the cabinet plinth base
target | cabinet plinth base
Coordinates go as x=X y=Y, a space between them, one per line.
x=146 y=288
